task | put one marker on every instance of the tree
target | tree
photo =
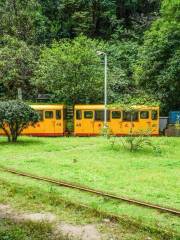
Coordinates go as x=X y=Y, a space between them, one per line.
x=15 y=116
x=134 y=17
x=71 y=71
x=158 y=67
x=17 y=62
x=42 y=21
x=70 y=18
x=121 y=57
x=23 y=19
x=98 y=19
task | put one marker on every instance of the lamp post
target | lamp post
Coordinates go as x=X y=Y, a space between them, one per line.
x=105 y=86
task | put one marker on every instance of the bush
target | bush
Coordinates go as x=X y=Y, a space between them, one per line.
x=15 y=116
x=136 y=141
x=133 y=143
x=70 y=126
x=106 y=131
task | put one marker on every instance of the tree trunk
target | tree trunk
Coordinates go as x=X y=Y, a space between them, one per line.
x=95 y=8
x=14 y=137
x=6 y=133
x=9 y=138
x=122 y=12
x=120 y=9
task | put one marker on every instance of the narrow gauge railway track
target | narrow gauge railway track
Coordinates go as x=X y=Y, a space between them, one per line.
x=94 y=191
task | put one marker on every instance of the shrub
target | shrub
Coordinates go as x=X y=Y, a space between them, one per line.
x=15 y=116
x=133 y=143
x=106 y=132
x=70 y=126
x=136 y=141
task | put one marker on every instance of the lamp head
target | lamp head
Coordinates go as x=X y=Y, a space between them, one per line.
x=100 y=53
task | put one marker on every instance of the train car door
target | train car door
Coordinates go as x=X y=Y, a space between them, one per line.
x=130 y=122
x=88 y=122
x=144 y=125
x=49 y=122
x=155 y=121
x=99 y=121
x=78 y=122
x=116 y=122
x=58 y=122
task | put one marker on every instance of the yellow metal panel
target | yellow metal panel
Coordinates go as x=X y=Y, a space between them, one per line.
x=48 y=126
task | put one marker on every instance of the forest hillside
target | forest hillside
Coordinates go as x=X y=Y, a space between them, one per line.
x=50 y=47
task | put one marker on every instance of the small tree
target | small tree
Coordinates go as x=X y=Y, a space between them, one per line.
x=15 y=116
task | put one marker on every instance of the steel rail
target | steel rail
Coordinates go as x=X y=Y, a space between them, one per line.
x=94 y=191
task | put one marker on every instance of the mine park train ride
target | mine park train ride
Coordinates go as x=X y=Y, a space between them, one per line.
x=88 y=120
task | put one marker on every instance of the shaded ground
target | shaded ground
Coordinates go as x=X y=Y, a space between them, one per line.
x=15 y=225
x=86 y=232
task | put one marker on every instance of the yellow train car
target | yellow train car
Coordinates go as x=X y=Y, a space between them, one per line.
x=52 y=121
x=89 y=120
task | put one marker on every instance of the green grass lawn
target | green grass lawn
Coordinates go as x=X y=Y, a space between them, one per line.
x=144 y=175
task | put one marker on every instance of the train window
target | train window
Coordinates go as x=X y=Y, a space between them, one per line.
x=40 y=112
x=154 y=115
x=130 y=116
x=58 y=114
x=144 y=114
x=78 y=114
x=48 y=114
x=88 y=114
x=116 y=114
x=99 y=115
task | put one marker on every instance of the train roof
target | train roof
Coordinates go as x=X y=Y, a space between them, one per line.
x=89 y=106
x=101 y=106
x=47 y=106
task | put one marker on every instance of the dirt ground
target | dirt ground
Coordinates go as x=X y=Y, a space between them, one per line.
x=105 y=230
x=86 y=232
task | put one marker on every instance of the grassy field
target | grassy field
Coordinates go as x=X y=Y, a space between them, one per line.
x=145 y=175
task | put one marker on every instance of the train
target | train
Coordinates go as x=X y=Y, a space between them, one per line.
x=88 y=120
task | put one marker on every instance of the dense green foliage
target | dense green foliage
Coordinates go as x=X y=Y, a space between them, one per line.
x=23 y=19
x=158 y=66
x=74 y=65
x=15 y=116
x=42 y=21
x=70 y=70
x=51 y=48
x=17 y=62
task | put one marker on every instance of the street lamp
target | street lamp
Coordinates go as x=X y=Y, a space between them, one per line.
x=105 y=86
